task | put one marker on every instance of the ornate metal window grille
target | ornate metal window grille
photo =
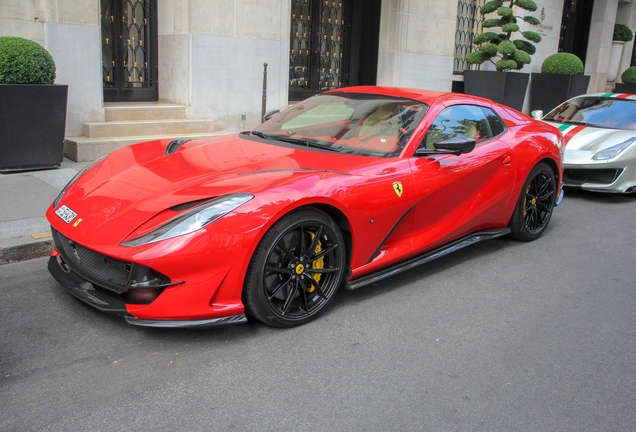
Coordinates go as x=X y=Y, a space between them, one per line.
x=330 y=37
x=136 y=33
x=129 y=49
x=316 y=44
x=300 y=44
x=468 y=25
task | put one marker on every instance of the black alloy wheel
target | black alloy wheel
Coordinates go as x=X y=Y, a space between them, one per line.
x=296 y=269
x=535 y=205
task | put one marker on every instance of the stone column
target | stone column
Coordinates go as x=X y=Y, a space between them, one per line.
x=417 y=40
x=599 y=43
x=211 y=55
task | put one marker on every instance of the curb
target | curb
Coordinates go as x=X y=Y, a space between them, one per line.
x=26 y=251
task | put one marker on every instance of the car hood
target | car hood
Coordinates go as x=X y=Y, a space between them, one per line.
x=139 y=181
x=583 y=142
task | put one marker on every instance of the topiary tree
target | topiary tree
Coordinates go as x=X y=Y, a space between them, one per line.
x=25 y=62
x=563 y=63
x=622 y=33
x=498 y=48
x=629 y=76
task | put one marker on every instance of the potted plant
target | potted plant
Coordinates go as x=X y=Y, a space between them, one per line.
x=622 y=35
x=504 y=53
x=561 y=78
x=629 y=82
x=32 y=108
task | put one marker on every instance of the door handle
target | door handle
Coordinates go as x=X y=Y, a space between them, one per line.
x=507 y=161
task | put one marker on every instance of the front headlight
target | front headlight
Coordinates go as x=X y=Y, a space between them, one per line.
x=192 y=220
x=613 y=151
x=74 y=179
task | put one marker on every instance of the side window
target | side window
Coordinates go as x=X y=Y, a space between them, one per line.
x=497 y=126
x=468 y=120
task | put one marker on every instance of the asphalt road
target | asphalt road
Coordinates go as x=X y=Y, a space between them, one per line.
x=502 y=336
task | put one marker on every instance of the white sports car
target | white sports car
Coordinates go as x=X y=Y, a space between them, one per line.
x=599 y=131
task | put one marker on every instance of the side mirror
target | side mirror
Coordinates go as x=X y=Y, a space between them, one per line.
x=270 y=114
x=537 y=114
x=454 y=143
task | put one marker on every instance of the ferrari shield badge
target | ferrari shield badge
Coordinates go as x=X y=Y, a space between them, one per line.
x=397 y=187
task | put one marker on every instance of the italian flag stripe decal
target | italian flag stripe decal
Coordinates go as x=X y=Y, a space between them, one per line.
x=618 y=96
x=569 y=131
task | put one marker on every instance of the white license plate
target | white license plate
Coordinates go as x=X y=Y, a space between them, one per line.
x=66 y=214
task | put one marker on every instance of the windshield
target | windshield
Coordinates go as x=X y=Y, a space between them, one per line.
x=600 y=112
x=360 y=124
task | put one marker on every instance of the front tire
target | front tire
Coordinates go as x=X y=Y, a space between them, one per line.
x=535 y=204
x=296 y=269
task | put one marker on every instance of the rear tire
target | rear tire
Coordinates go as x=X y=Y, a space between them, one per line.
x=296 y=269
x=535 y=204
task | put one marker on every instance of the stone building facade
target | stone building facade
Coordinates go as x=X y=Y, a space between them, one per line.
x=208 y=55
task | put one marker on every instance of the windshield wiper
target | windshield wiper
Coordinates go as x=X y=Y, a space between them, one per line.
x=573 y=122
x=291 y=140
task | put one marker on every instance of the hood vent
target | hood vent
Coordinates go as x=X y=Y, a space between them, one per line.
x=174 y=145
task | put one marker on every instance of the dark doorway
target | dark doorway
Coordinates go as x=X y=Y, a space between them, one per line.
x=129 y=50
x=333 y=43
x=575 y=27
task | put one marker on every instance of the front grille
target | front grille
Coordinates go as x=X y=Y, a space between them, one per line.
x=102 y=270
x=577 y=177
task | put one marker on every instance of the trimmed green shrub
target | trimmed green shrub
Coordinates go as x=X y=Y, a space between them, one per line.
x=510 y=55
x=629 y=76
x=622 y=33
x=25 y=62
x=562 y=63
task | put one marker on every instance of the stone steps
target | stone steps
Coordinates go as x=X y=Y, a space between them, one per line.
x=123 y=112
x=134 y=122
x=146 y=127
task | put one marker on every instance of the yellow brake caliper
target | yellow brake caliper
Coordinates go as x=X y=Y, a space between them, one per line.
x=525 y=202
x=317 y=264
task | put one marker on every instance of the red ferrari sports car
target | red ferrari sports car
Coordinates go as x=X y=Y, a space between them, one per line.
x=343 y=189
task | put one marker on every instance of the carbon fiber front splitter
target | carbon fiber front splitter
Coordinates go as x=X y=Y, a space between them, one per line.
x=86 y=292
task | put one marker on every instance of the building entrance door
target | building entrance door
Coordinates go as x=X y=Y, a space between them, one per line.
x=333 y=43
x=129 y=50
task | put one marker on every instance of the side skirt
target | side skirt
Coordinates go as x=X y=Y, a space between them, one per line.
x=400 y=267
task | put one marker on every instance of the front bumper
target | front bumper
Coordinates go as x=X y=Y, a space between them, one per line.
x=100 y=299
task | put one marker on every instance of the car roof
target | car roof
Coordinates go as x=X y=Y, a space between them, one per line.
x=429 y=97
x=610 y=95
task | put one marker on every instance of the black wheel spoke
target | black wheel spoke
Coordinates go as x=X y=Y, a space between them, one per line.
x=542 y=207
x=323 y=270
x=271 y=269
x=280 y=245
x=544 y=185
x=299 y=244
x=304 y=290
x=278 y=288
x=323 y=252
x=545 y=196
x=315 y=284
x=290 y=297
x=314 y=242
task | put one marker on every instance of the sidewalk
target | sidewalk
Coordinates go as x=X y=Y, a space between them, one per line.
x=24 y=197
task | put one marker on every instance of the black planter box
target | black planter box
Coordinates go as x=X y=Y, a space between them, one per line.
x=32 y=126
x=547 y=91
x=506 y=88
x=625 y=88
